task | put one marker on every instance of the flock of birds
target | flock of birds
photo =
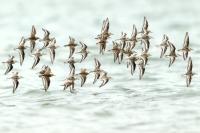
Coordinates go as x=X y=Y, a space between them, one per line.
x=122 y=48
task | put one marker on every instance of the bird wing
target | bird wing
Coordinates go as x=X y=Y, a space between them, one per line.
x=105 y=81
x=134 y=32
x=32 y=45
x=190 y=65
x=172 y=48
x=142 y=70
x=47 y=82
x=186 y=41
x=188 y=80
x=172 y=60
x=46 y=34
x=97 y=76
x=107 y=25
x=33 y=31
x=21 y=55
x=83 y=79
x=36 y=61
x=97 y=63
x=52 y=54
x=84 y=55
x=15 y=84
x=145 y=23
x=133 y=66
x=72 y=49
x=83 y=46
x=22 y=41
x=9 y=68
x=71 y=40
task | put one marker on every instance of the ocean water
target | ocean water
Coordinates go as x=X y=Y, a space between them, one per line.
x=160 y=102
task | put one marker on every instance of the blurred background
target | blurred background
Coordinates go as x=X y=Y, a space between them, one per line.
x=158 y=103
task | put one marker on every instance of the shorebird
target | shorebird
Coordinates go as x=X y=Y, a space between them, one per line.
x=116 y=51
x=105 y=30
x=186 y=47
x=131 y=62
x=172 y=55
x=97 y=70
x=46 y=77
x=189 y=72
x=32 y=38
x=69 y=82
x=83 y=75
x=37 y=54
x=105 y=34
x=84 y=52
x=71 y=63
x=46 y=39
x=104 y=78
x=164 y=45
x=133 y=38
x=15 y=78
x=21 y=49
x=9 y=64
x=41 y=72
x=141 y=67
x=72 y=45
x=52 y=47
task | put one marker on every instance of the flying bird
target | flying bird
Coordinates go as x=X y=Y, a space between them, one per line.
x=116 y=51
x=131 y=61
x=189 y=72
x=15 y=78
x=71 y=63
x=97 y=71
x=172 y=55
x=72 y=45
x=103 y=36
x=46 y=39
x=83 y=75
x=105 y=30
x=186 y=48
x=46 y=78
x=37 y=54
x=164 y=45
x=9 y=64
x=52 y=47
x=32 y=38
x=70 y=82
x=141 y=67
x=104 y=78
x=84 y=52
x=21 y=47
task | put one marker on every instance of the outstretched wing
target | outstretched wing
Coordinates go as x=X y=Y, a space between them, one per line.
x=97 y=63
x=21 y=56
x=36 y=61
x=9 y=68
x=190 y=65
